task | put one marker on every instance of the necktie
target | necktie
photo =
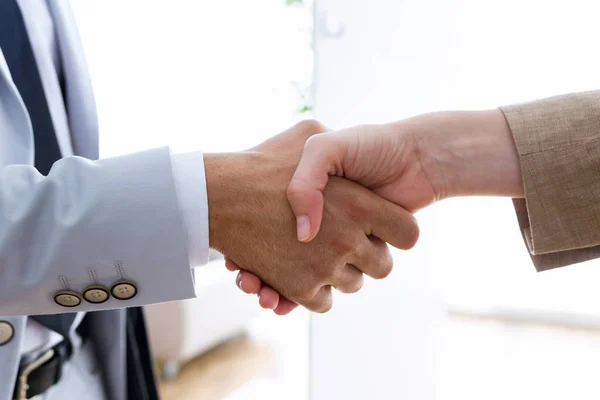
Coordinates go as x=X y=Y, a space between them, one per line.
x=19 y=57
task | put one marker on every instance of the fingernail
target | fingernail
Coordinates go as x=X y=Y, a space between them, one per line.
x=239 y=282
x=303 y=227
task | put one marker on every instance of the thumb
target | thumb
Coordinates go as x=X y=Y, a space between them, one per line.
x=322 y=156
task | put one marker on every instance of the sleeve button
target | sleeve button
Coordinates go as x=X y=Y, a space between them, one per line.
x=7 y=332
x=123 y=290
x=67 y=298
x=96 y=294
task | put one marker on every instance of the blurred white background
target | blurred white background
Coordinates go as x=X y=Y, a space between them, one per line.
x=196 y=75
x=464 y=315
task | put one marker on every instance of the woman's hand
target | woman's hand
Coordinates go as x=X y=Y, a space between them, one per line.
x=412 y=163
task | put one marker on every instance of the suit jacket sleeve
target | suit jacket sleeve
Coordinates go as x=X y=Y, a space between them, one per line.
x=558 y=141
x=91 y=223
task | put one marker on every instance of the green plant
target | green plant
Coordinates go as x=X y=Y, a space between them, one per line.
x=304 y=97
x=304 y=90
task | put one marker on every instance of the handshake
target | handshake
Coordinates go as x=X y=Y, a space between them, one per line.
x=310 y=210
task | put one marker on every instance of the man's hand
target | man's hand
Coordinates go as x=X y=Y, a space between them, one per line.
x=252 y=224
x=412 y=163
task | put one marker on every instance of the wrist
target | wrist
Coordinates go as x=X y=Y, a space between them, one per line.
x=240 y=186
x=222 y=171
x=472 y=152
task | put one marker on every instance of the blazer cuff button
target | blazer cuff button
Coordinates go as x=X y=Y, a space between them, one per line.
x=6 y=332
x=123 y=290
x=67 y=298
x=96 y=294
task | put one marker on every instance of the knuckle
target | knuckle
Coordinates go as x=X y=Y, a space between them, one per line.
x=357 y=208
x=295 y=189
x=404 y=233
x=360 y=281
x=300 y=295
x=323 y=306
x=343 y=246
x=355 y=286
x=414 y=234
x=305 y=294
x=384 y=268
x=411 y=233
x=322 y=302
x=326 y=272
x=315 y=143
x=311 y=126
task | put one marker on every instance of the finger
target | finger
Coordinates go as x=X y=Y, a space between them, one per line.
x=374 y=258
x=391 y=223
x=297 y=134
x=350 y=280
x=321 y=302
x=248 y=282
x=285 y=306
x=268 y=298
x=322 y=156
x=230 y=265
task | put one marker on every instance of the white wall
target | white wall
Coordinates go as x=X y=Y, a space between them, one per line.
x=209 y=75
x=404 y=57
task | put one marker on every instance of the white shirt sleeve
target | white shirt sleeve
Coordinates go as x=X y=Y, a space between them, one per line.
x=190 y=185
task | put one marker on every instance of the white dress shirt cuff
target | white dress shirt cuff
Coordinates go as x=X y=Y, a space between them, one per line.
x=190 y=184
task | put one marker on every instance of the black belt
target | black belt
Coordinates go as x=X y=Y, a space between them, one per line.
x=37 y=376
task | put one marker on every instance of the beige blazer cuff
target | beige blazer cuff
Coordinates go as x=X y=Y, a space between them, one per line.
x=558 y=141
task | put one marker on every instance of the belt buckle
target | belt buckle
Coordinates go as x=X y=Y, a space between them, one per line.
x=24 y=375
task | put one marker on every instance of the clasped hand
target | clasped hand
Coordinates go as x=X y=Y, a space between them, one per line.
x=252 y=224
x=411 y=163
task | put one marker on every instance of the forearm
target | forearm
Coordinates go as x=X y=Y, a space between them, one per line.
x=545 y=151
x=469 y=153
x=89 y=223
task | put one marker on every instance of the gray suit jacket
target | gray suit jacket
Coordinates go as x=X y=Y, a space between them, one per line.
x=86 y=215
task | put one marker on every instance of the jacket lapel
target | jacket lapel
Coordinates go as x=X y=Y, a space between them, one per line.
x=79 y=96
x=16 y=134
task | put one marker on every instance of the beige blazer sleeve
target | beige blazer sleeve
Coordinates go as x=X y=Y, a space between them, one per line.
x=558 y=140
